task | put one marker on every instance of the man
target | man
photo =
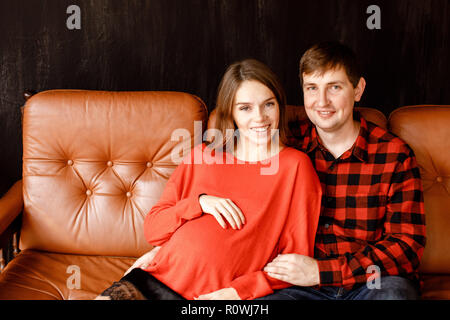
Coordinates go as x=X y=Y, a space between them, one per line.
x=371 y=233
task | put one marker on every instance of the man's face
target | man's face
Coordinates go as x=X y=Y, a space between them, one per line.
x=329 y=99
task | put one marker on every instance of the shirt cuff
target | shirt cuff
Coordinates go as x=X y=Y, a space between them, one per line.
x=330 y=272
x=194 y=210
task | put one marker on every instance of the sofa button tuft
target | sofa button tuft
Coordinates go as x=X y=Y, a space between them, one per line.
x=69 y=162
x=149 y=164
x=439 y=179
x=128 y=194
x=88 y=192
x=109 y=163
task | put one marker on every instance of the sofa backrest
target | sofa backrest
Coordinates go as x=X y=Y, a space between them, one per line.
x=426 y=129
x=294 y=114
x=95 y=162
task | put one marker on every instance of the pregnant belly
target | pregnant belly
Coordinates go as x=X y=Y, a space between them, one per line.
x=206 y=241
x=202 y=257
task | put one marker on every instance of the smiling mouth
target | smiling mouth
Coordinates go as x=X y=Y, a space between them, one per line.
x=325 y=113
x=260 y=129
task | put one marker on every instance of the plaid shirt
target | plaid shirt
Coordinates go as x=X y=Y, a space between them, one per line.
x=372 y=206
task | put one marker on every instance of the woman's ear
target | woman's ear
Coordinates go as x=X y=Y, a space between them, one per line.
x=359 y=90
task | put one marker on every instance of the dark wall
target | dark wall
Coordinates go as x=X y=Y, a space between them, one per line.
x=185 y=45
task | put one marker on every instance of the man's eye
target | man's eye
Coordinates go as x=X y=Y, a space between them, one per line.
x=336 y=87
x=311 y=88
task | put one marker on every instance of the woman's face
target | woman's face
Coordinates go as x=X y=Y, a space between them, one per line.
x=255 y=112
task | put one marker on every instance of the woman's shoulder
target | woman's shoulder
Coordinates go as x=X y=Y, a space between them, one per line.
x=293 y=154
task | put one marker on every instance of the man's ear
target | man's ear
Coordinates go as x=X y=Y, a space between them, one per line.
x=359 y=90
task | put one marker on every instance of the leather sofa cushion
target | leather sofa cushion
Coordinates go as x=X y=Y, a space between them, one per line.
x=95 y=162
x=38 y=275
x=426 y=129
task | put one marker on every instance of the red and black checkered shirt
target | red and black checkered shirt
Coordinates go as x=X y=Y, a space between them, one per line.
x=372 y=206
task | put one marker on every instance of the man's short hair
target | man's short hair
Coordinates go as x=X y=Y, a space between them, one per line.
x=330 y=55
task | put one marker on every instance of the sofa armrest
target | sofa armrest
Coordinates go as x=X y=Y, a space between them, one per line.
x=11 y=205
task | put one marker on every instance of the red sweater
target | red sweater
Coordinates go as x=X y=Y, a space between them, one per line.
x=198 y=256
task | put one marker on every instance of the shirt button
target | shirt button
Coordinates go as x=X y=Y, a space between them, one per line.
x=326 y=225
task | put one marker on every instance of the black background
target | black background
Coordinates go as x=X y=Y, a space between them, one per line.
x=185 y=45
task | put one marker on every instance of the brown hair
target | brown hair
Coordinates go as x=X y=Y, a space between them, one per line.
x=234 y=76
x=330 y=55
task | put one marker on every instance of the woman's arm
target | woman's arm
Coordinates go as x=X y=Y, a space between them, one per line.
x=175 y=206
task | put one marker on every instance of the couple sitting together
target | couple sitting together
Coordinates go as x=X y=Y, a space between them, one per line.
x=346 y=199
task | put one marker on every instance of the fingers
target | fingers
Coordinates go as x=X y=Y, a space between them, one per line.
x=224 y=210
x=228 y=213
x=237 y=211
x=144 y=261
x=219 y=219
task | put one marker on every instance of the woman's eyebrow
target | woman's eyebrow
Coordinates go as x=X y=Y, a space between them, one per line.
x=273 y=97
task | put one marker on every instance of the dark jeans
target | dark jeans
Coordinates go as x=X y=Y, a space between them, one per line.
x=140 y=285
x=391 y=288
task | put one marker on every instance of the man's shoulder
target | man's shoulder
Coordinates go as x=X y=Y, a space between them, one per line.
x=380 y=140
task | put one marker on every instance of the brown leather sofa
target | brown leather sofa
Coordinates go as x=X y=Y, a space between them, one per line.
x=95 y=162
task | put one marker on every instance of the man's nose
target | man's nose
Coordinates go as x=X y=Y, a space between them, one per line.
x=323 y=98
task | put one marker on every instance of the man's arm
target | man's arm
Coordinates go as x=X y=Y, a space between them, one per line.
x=397 y=253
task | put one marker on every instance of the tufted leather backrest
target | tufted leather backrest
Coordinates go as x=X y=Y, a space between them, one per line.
x=297 y=113
x=426 y=129
x=95 y=162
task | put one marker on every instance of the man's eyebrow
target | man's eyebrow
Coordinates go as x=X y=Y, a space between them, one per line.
x=328 y=83
x=336 y=82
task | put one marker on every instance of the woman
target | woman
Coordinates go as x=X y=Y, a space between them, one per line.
x=221 y=221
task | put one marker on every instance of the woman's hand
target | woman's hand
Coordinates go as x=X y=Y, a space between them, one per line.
x=222 y=208
x=222 y=294
x=144 y=260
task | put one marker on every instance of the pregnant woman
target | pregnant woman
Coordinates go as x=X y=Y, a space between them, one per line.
x=220 y=220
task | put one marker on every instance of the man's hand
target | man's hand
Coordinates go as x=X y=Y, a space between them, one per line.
x=296 y=269
x=144 y=260
x=222 y=294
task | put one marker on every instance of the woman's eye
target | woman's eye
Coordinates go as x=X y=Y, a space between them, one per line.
x=311 y=88
x=270 y=104
x=244 y=108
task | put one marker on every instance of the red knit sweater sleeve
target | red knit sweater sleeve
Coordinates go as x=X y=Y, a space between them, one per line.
x=298 y=235
x=173 y=208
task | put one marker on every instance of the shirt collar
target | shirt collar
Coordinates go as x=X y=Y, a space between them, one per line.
x=359 y=148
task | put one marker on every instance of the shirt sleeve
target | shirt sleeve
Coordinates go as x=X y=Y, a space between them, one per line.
x=298 y=234
x=401 y=247
x=173 y=208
